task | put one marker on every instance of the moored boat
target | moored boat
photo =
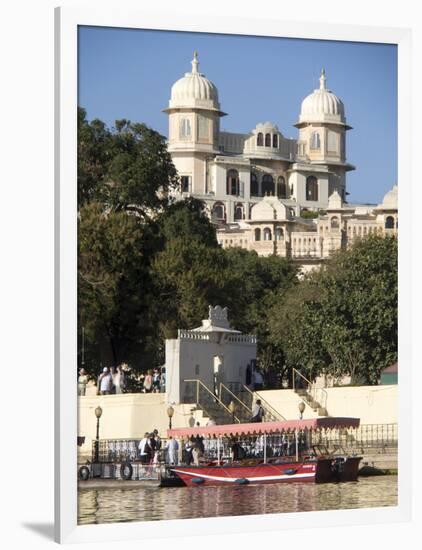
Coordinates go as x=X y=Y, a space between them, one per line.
x=267 y=452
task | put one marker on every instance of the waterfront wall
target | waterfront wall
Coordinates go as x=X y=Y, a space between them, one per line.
x=372 y=404
x=129 y=416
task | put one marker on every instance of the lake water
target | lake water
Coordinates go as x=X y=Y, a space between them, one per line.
x=154 y=503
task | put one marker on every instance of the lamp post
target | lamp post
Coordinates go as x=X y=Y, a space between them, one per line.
x=301 y=408
x=232 y=409
x=170 y=413
x=98 y=413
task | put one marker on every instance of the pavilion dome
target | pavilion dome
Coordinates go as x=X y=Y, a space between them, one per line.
x=335 y=202
x=389 y=201
x=194 y=90
x=268 y=209
x=322 y=105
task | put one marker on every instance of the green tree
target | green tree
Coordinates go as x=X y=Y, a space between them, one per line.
x=186 y=220
x=127 y=167
x=343 y=319
x=140 y=172
x=187 y=276
x=94 y=147
x=113 y=284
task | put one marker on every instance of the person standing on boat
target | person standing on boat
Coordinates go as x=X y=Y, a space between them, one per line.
x=199 y=440
x=257 y=412
x=188 y=452
x=172 y=448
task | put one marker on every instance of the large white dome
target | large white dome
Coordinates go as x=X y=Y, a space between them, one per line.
x=194 y=90
x=322 y=106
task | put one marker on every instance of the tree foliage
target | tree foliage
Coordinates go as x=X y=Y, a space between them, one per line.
x=127 y=167
x=148 y=266
x=343 y=319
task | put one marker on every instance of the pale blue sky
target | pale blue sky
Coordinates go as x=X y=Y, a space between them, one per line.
x=126 y=73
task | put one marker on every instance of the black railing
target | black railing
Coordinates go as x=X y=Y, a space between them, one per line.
x=195 y=392
x=367 y=436
x=231 y=399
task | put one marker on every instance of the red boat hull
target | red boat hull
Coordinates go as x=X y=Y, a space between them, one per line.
x=242 y=474
x=318 y=471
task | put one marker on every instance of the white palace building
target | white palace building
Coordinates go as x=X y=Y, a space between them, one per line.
x=257 y=185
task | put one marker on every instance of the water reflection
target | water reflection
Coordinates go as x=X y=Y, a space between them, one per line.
x=153 y=503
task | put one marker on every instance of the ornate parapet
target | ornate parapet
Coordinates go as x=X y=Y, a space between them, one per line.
x=192 y=335
x=210 y=336
x=241 y=338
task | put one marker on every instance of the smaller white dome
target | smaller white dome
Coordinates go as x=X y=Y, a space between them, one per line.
x=269 y=208
x=322 y=105
x=334 y=201
x=194 y=90
x=266 y=127
x=390 y=201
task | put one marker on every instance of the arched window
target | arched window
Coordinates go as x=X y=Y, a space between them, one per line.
x=232 y=182
x=332 y=142
x=257 y=234
x=275 y=141
x=267 y=140
x=278 y=234
x=218 y=212
x=334 y=223
x=260 y=140
x=185 y=128
x=311 y=188
x=315 y=141
x=281 y=188
x=267 y=234
x=389 y=222
x=267 y=185
x=238 y=212
x=254 y=185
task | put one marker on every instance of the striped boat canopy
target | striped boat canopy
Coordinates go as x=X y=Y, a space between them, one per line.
x=259 y=428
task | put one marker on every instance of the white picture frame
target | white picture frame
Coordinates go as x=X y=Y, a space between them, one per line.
x=66 y=25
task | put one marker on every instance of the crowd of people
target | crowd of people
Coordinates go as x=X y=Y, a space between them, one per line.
x=154 y=381
x=113 y=380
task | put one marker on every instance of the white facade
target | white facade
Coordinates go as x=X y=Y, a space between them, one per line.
x=212 y=353
x=273 y=228
x=231 y=172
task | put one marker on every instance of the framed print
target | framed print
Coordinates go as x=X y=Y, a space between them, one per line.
x=227 y=258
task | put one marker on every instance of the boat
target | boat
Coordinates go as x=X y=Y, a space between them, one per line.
x=265 y=452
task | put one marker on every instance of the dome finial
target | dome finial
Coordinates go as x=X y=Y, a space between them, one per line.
x=195 y=62
x=322 y=80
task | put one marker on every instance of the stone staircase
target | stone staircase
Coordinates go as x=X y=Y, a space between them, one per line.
x=311 y=401
x=311 y=394
x=203 y=399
